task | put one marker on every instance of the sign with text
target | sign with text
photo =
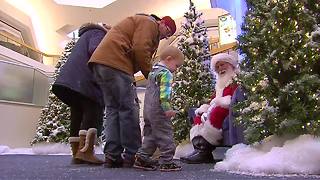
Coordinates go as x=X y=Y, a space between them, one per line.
x=227 y=29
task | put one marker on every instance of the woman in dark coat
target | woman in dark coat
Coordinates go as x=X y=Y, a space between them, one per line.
x=76 y=87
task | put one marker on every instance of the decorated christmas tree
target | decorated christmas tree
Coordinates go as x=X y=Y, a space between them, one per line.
x=193 y=81
x=280 y=70
x=54 y=121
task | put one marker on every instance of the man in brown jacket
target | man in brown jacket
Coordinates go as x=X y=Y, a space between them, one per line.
x=125 y=50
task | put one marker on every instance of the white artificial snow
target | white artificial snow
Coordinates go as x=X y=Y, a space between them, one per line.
x=43 y=149
x=4 y=149
x=274 y=156
x=57 y=148
x=183 y=150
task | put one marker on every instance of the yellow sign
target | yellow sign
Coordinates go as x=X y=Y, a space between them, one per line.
x=227 y=29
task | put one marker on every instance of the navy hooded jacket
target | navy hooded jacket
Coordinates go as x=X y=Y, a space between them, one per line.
x=75 y=77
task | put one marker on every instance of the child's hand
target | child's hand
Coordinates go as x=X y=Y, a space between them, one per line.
x=170 y=113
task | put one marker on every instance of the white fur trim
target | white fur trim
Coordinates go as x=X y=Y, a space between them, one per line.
x=195 y=130
x=212 y=103
x=211 y=107
x=223 y=101
x=202 y=109
x=90 y=132
x=82 y=132
x=74 y=139
x=223 y=57
x=219 y=91
x=210 y=133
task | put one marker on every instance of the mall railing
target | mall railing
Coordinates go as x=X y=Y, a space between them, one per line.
x=23 y=84
x=28 y=50
x=48 y=59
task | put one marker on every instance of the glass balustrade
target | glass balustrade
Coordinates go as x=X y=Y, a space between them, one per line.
x=23 y=84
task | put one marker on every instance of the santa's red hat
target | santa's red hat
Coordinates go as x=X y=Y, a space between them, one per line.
x=224 y=57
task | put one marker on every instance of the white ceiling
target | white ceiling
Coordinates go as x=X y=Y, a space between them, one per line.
x=120 y=9
x=85 y=3
x=52 y=22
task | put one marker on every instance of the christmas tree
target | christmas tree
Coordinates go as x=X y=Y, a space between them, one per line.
x=193 y=81
x=54 y=121
x=280 y=69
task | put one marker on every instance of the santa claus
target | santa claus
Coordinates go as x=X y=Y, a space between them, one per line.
x=206 y=132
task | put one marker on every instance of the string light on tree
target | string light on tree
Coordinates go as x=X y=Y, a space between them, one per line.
x=194 y=75
x=285 y=38
x=54 y=122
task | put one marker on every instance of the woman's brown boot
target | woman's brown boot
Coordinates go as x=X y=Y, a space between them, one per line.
x=74 y=143
x=86 y=147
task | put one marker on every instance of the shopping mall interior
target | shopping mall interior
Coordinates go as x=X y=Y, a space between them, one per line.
x=243 y=104
x=33 y=35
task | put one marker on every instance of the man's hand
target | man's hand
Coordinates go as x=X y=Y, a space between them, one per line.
x=170 y=113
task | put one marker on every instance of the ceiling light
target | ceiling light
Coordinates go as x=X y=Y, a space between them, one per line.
x=85 y=3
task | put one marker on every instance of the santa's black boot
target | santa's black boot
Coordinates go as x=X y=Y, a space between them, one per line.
x=195 y=143
x=202 y=152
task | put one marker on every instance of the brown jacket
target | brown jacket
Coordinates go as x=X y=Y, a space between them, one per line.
x=129 y=45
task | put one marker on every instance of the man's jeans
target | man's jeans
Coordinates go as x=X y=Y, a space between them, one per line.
x=122 y=128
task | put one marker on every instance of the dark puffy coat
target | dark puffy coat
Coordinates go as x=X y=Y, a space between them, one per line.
x=75 y=78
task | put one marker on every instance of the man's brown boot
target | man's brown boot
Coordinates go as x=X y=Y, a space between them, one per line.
x=86 y=147
x=74 y=142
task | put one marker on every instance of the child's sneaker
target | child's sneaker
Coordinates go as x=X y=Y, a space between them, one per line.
x=169 y=167
x=154 y=162
x=143 y=164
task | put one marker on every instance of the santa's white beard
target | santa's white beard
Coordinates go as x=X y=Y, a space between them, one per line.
x=223 y=80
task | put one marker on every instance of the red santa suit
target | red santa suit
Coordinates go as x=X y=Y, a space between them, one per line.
x=209 y=119
x=206 y=132
x=210 y=127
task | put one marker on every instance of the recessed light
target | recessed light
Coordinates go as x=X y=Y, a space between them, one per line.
x=85 y=3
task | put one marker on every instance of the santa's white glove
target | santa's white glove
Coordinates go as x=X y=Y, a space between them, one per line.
x=202 y=109
x=222 y=101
